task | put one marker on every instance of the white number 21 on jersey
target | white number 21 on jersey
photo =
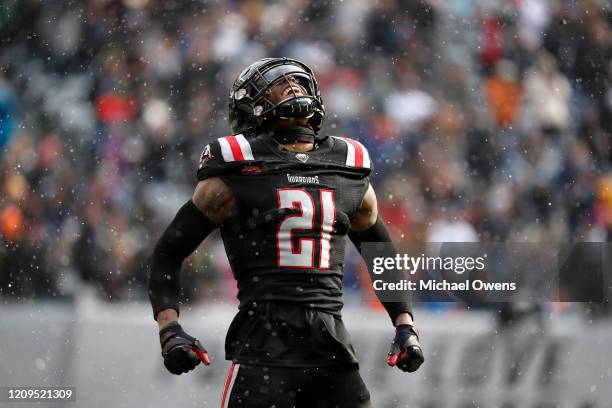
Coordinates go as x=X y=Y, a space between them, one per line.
x=302 y=255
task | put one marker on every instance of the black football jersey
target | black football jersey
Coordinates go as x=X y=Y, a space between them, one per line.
x=286 y=244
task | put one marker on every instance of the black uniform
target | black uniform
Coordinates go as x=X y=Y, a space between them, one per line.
x=286 y=248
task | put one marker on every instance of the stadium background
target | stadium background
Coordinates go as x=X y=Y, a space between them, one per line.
x=487 y=120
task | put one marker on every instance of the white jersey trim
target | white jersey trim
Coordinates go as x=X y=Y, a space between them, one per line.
x=356 y=154
x=235 y=148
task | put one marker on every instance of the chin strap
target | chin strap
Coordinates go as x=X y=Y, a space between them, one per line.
x=293 y=134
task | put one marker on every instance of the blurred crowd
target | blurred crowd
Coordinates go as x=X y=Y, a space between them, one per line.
x=486 y=120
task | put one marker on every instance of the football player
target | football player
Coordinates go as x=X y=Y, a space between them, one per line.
x=284 y=197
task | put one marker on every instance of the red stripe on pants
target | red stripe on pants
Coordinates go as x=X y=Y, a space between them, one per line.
x=228 y=381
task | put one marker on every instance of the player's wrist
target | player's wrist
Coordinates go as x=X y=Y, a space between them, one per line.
x=407 y=330
x=168 y=326
x=165 y=317
x=404 y=318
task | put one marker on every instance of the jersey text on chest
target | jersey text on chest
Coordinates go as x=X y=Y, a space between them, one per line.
x=302 y=179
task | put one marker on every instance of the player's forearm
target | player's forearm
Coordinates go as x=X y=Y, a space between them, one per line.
x=186 y=231
x=164 y=280
x=401 y=310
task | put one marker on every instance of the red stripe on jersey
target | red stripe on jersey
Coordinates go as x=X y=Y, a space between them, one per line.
x=235 y=146
x=358 y=152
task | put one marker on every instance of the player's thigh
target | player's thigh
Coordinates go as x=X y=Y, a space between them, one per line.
x=335 y=388
x=250 y=386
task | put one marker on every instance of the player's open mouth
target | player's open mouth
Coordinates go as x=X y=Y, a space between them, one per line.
x=295 y=90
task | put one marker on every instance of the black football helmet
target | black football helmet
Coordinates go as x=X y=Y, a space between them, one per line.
x=250 y=107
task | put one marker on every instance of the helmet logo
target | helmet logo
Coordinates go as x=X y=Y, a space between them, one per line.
x=302 y=157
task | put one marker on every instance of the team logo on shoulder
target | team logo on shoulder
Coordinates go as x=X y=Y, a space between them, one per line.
x=302 y=157
x=205 y=157
x=251 y=169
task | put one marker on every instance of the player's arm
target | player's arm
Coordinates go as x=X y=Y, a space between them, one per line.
x=212 y=203
x=367 y=226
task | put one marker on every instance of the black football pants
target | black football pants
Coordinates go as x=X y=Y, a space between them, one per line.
x=252 y=386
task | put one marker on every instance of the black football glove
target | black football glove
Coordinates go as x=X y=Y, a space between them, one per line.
x=406 y=353
x=181 y=352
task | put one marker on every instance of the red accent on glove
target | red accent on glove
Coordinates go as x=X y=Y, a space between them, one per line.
x=202 y=355
x=392 y=359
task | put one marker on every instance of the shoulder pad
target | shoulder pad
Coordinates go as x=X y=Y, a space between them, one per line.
x=356 y=155
x=223 y=154
x=235 y=148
